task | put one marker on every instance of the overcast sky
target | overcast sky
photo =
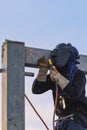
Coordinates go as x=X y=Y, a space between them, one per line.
x=43 y=24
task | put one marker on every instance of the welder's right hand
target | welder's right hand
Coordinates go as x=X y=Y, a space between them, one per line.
x=53 y=74
x=43 y=68
x=59 y=79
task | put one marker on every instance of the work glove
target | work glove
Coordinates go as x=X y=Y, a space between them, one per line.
x=58 y=78
x=43 y=68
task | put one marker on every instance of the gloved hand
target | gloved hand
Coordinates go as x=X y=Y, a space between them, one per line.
x=58 y=78
x=43 y=68
x=42 y=62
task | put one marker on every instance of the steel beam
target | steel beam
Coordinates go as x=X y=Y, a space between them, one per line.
x=33 y=54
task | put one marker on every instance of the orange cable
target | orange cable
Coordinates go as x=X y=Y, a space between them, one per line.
x=55 y=105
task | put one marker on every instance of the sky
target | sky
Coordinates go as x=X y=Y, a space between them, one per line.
x=42 y=24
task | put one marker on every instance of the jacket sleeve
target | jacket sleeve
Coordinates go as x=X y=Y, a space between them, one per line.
x=39 y=87
x=76 y=91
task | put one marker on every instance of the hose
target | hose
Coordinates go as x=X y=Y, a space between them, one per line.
x=55 y=106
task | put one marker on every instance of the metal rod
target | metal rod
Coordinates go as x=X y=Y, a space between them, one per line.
x=26 y=73
x=29 y=74
x=1 y=70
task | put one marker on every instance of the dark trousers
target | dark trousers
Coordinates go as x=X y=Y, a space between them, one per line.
x=68 y=125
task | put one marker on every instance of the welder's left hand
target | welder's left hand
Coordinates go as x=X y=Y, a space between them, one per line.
x=58 y=78
x=43 y=68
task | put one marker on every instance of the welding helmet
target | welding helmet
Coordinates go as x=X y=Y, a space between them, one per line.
x=62 y=53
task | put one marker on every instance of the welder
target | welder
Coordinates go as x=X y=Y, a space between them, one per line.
x=67 y=83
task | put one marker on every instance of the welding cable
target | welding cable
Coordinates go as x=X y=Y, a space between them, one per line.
x=55 y=106
x=36 y=112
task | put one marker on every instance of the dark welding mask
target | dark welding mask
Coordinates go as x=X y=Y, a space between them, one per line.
x=61 y=54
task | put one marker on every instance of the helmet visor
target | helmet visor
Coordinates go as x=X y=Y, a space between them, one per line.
x=60 y=57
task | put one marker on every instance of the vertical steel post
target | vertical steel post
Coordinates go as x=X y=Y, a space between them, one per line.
x=13 y=105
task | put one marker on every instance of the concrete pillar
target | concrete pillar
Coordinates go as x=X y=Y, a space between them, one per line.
x=13 y=105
